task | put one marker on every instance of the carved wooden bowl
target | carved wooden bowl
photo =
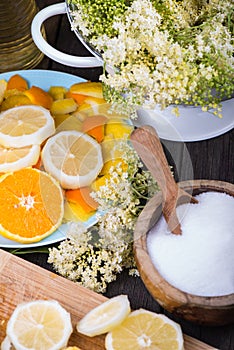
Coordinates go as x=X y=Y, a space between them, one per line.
x=213 y=311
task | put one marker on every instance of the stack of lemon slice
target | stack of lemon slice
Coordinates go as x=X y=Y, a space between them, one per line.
x=22 y=131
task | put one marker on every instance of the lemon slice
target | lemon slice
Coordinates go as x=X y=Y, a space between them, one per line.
x=6 y=344
x=40 y=324
x=25 y=125
x=105 y=317
x=145 y=329
x=12 y=159
x=73 y=158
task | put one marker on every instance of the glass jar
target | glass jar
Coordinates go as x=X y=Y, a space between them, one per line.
x=17 y=49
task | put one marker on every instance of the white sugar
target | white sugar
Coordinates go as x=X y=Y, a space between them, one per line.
x=201 y=260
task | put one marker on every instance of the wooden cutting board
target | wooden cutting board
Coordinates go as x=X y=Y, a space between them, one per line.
x=23 y=281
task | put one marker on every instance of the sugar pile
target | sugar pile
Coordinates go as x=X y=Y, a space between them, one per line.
x=201 y=260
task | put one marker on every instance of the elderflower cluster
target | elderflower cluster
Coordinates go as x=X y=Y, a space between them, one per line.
x=93 y=257
x=165 y=52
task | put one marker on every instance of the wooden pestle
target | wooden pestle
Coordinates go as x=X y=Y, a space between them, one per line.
x=148 y=146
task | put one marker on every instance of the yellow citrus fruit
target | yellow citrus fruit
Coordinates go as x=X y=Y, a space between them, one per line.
x=73 y=158
x=64 y=106
x=39 y=324
x=15 y=100
x=105 y=317
x=25 y=125
x=67 y=122
x=118 y=128
x=12 y=159
x=145 y=329
x=6 y=344
x=3 y=87
x=31 y=205
x=87 y=88
x=57 y=92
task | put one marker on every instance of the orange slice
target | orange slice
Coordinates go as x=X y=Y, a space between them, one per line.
x=31 y=205
x=25 y=125
x=13 y=159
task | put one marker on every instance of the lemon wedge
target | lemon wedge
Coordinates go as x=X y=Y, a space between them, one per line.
x=105 y=317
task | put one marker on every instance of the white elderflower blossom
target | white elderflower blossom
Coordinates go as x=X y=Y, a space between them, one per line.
x=148 y=41
x=93 y=257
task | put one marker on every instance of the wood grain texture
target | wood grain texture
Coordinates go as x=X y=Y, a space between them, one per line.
x=22 y=281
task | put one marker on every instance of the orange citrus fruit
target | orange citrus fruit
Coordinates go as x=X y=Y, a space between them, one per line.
x=39 y=97
x=17 y=82
x=25 y=125
x=73 y=158
x=94 y=126
x=31 y=205
x=13 y=159
x=82 y=196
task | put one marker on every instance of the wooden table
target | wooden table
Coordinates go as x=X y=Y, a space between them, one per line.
x=211 y=159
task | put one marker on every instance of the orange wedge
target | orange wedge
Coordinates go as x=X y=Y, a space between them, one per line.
x=17 y=82
x=95 y=127
x=82 y=197
x=39 y=97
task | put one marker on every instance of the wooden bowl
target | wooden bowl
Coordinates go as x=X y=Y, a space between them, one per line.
x=212 y=311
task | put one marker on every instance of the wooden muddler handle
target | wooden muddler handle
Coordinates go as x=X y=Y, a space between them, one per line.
x=148 y=146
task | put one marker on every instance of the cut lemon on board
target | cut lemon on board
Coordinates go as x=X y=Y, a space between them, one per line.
x=144 y=329
x=25 y=125
x=73 y=158
x=31 y=205
x=38 y=325
x=105 y=317
x=13 y=159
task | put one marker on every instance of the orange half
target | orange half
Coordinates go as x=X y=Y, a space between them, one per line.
x=31 y=205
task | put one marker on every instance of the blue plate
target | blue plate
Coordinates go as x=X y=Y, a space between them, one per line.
x=44 y=79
